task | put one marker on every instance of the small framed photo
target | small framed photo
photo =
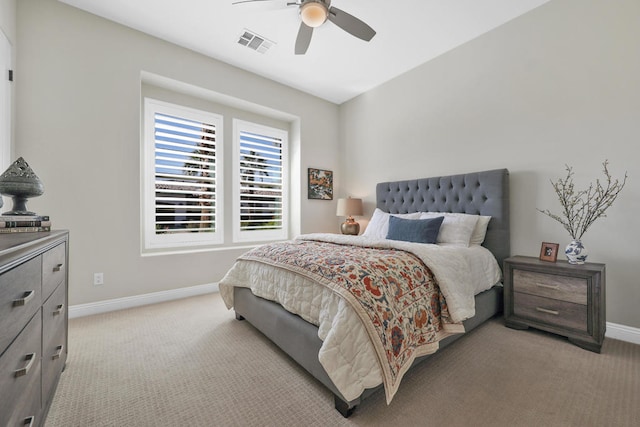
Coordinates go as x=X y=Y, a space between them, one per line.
x=549 y=252
x=320 y=184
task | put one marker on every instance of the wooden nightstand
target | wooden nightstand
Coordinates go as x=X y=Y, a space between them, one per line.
x=559 y=297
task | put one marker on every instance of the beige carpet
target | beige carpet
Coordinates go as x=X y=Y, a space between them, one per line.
x=190 y=363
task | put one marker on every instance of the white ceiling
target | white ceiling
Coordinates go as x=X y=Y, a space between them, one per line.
x=337 y=66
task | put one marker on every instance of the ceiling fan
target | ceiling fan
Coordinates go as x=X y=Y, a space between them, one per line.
x=314 y=13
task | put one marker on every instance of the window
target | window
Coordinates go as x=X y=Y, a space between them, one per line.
x=260 y=177
x=182 y=176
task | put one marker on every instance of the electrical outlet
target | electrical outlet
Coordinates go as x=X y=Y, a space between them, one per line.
x=98 y=279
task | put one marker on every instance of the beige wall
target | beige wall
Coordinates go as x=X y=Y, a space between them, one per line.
x=559 y=85
x=78 y=126
x=8 y=19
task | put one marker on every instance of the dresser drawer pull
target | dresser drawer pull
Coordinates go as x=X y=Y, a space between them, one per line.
x=554 y=287
x=59 y=310
x=29 y=421
x=544 y=310
x=58 y=352
x=24 y=371
x=25 y=299
x=58 y=267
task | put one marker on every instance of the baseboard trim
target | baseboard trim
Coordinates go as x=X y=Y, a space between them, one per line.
x=614 y=330
x=623 y=333
x=81 y=310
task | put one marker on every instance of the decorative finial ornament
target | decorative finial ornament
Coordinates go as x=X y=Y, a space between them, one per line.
x=20 y=182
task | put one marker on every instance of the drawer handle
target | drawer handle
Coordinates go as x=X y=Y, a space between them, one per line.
x=58 y=352
x=554 y=287
x=545 y=310
x=58 y=267
x=29 y=421
x=25 y=299
x=24 y=371
x=59 y=310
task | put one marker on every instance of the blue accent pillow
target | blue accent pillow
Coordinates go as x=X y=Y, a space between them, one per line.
x=414 y=230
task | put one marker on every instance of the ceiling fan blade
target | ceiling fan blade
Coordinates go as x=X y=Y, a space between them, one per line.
x=351 y=24
x=303 y=39
x=247 y=1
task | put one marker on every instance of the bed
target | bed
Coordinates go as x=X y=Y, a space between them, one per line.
x=483 y=193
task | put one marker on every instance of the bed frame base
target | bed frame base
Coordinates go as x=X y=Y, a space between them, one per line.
x=299 y=338
x=343 y=407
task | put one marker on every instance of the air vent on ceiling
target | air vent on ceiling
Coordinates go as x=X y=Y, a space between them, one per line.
x=254 y=41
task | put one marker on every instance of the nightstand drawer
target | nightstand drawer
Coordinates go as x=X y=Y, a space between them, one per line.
x=563 y=288
x=550 y=311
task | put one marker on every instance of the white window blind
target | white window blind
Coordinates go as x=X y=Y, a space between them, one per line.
x=260 y=184
x=183 y=176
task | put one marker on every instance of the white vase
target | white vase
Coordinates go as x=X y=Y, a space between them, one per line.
x=576 y=252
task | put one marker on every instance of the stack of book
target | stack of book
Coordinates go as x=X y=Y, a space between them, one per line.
x=24 y=223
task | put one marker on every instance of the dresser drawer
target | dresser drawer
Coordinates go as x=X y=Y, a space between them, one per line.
x=53 y=314
x=54 y=269
x=551 y=311
x=28 y=413
x=54 y=356
x=20 y=374
x=564 y=288
x=20 y=299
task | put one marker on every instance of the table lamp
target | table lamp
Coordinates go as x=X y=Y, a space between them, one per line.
x=349 y=207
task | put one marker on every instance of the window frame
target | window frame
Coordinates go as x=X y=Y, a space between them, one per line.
x=243 y=236
x=150 y=239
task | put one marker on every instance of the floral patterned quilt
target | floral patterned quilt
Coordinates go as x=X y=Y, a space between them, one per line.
x=393 y=292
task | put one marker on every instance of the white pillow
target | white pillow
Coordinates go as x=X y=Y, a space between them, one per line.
x=379 y=224
x=455 y=228
x=480 y=231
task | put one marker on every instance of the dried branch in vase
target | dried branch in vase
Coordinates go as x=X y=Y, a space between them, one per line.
x=581 y=208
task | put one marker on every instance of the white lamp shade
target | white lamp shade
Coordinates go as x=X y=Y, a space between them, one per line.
x=349 y=207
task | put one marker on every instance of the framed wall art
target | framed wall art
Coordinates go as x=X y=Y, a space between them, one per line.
x=320 y=184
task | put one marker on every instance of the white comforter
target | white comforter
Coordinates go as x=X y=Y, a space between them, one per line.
x=347 y=354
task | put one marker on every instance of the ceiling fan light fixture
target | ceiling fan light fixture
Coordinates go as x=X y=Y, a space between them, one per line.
x=314 y=13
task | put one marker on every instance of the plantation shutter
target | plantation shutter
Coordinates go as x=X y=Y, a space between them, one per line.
x=261 y=182
x=186 y=177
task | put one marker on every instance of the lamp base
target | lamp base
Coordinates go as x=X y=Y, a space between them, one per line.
x=350 y=226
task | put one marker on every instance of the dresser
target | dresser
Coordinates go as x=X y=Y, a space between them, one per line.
x=33 y=323
x=559 y=297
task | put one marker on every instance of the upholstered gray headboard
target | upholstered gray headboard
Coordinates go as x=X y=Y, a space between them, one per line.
x=477 y=193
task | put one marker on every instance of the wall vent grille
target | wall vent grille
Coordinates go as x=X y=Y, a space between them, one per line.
x=254 y=41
